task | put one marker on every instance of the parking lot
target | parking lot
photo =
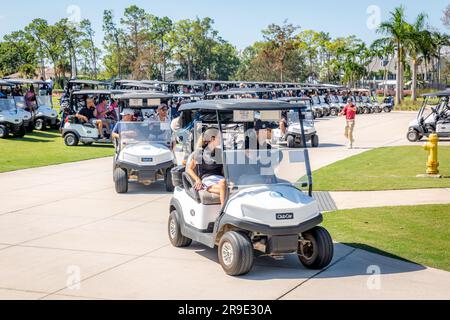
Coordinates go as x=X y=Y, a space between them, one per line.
x=65 y=234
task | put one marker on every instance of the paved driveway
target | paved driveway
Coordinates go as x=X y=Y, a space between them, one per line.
x=65 y=234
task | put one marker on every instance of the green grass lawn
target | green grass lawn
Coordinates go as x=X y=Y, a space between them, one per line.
x=45 y=148
x=393 y=168
x=420 y=234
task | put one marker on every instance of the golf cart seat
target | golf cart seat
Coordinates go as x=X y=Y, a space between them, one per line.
x=204 y=197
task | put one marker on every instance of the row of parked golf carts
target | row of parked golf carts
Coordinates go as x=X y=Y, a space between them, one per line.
x=16 y=117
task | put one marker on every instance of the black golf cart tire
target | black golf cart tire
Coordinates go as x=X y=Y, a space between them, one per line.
x=323 y=246
x=39 y=125
x=168 y=180
x=334 y=112
x=4 y=132
x=290 y=142
x=378 y=110
x=387 y=109
x=20 y=133
x=177 y=239
x=315 y=141
x=30 y=127
x=413 y=136
x=121 y=180
x=243 y=259
x=71 y=139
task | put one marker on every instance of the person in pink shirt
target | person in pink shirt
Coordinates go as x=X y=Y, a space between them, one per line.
x=350 y=116
x=101 y=111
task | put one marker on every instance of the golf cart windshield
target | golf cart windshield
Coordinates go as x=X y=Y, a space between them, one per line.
x=44 y=101
x=20 y=102
x=252 y=158
x=7 y=104
x=144 y=132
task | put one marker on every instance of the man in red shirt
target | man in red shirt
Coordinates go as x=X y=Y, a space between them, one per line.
x=350 y=115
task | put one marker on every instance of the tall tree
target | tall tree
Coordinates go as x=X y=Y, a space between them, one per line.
x=88 y=44
x=397 y=31
x=114 y=43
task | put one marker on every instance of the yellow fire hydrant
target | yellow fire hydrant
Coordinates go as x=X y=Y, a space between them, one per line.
x=432 y=147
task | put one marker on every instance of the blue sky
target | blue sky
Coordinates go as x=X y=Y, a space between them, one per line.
x=239 y=22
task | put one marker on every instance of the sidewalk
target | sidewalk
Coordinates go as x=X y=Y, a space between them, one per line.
x=371 y=199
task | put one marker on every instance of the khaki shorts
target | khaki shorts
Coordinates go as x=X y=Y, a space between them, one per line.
x=349 y=128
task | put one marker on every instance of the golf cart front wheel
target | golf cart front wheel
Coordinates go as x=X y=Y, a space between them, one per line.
x=334 y=112
x=387 y=109
x=413 y=136
x=316 y=249
x=176 y=237
x=168 y=180
x=39 y=125
x=3 y=132
x=235 y=253
x=315 y=141
x=71 y=140
x=121 y=180
x=290 y=142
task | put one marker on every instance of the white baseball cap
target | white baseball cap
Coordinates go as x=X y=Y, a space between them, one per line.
x=127 y=112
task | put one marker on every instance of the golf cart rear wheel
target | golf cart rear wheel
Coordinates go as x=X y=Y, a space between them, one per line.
x=235 y=253
x=168 y=180
x=176 y=237
x=315 y=141
x=413 y=136
x=39 y=124
x=290 y=142
x=121 y=180
x=387 y=109
x=316 y=250
x=4 y=132
x=71 y=140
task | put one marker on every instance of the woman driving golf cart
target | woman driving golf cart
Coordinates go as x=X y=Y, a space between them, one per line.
x=206 y=168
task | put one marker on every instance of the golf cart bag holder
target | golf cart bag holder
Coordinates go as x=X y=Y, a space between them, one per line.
x=204 y=197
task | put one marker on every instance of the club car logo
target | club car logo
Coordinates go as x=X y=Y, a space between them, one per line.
x=285 y=216
x=147 y=159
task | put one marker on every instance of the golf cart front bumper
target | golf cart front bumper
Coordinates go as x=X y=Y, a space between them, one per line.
x=148 y=171
x=278 y=240
x=266 y=230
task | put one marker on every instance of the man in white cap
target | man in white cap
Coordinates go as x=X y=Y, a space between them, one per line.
x=127 y=116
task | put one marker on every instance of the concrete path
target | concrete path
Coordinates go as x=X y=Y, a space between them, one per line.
x=66 y=234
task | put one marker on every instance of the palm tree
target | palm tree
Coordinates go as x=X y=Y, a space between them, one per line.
x=384 y=51
x=416 y=43
x=439 y=40
x=396 y=30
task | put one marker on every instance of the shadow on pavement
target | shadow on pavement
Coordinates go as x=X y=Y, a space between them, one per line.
x=158 y=188
x=289 y=267
x=330 y=145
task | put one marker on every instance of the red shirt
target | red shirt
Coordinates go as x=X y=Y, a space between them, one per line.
x=350 y=112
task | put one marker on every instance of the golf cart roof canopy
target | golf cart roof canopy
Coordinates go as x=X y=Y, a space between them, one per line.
x=238 y=91
x=141 y=95
x=238 y=104
x=290 y=99
x=90 y=82
x=188 y=95
x=26 y=81
x=445 y=93
x=92 y=92
x=6 y=83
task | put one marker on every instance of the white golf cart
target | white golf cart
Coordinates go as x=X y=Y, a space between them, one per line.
x=431 y=118
x=144 y=150
x=44 y=115
x=26 y=116
x=265 y=208
x=10 y=120
x=295 y=129
x=74 y=130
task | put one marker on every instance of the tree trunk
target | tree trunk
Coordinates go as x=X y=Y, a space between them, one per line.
x=398 y=89
x=386 y=73
x=414 y=80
